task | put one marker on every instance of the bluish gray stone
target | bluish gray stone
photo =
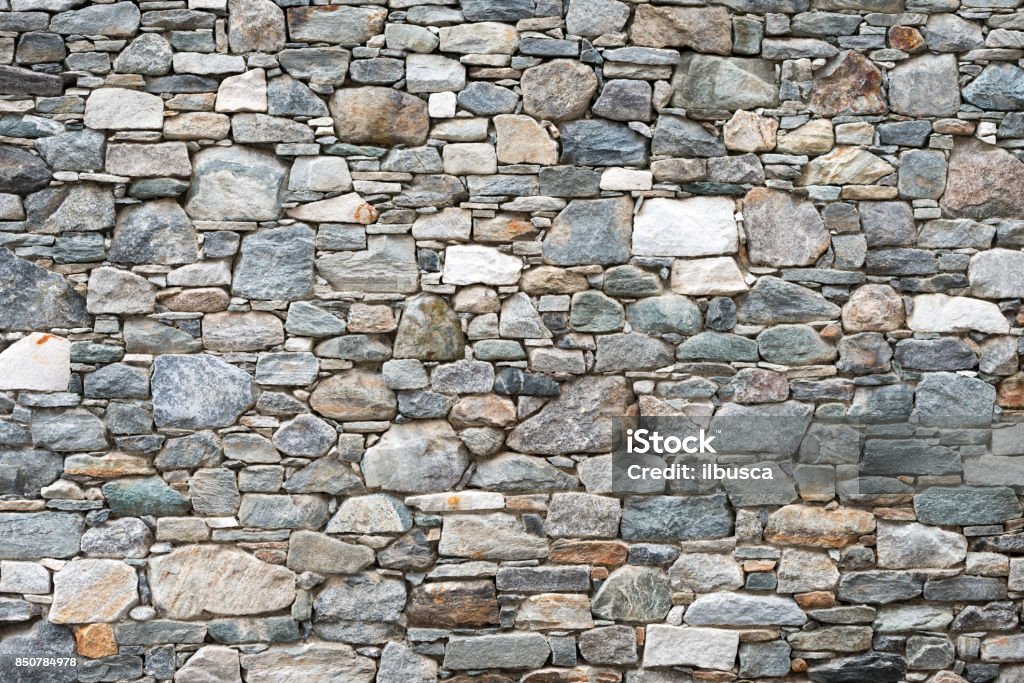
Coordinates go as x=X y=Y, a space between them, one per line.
x=23 y=473
x=486 y=99
x=947 y=399
x=669 y=518
x=591 y=231
x=593 y=142
x=774 y=301
x=668 y=313
x=679 y=137
x=794 y=345
x=144 y=496
x=966 y=505
x=718 y=346
x=154 y=232
x=199 y=392
x=74 y=430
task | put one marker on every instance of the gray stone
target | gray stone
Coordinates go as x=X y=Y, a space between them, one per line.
x=887 y=224
x=925 y=86
x=400 y=664
x=267 y=511
x=21 y=171
x=255 y=25
x=499 y=650
x=514 y=472
x=387 y=265
x=782 y=231
x=794 y=345
x=736 y=609
x=145 y=496
x=45 y=640
x=319 y=65
x=948 y=353
x=275 y=264
x=118 y=20
x=633 y=594
x=950 y=33
x=487 y=99
x=235 y=184
x=677 y=136
x=35 y=535
x=338 y=25
x=33 y=298
x=879 y=587
x=416 y=457
x=624 y=100
x=83 y=150
x=289 y=97
x=149 y=55
x=775 y=301
x=490 y=536
x=922 y=174
x=948 y=399
x=199 y=392
x=668 y=313
x=631 y=351
x=667 y=518
x=74 y=430
x=718 y=346
x=379 y=116
x=709 y=83
x=429 y=330
x=593 y=142
x=309 y=320
x=154 y=232
x=25 y=472
x=118 y=538
x=965 y=505
x=591 y=231
x=305 y=436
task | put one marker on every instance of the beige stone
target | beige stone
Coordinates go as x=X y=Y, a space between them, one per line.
x=749 y=132
x=521 y=140
x=718 y=276
x=814 y=137
x=873 y=308
x=90 y=591
x=346 y=208
x=845 y=166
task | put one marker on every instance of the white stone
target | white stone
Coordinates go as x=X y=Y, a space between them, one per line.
x=469 y=158
x=38 y=362
x=442 y=105
x=626 y=179
x=245 y=92
x=119 y=292
x=700 y=226
x=205 y=64
x=473 y=264
x=93 y=591
x=433 y=73
x=708 y=648
x=320 y=174
x=913 y=545
x=346 y=208
x=942 y=313
x=462 y=500
x=997 y=274
x=122 y=109
x=717 y=276
x=27 y=578
x=202 y=274
x=448 y=224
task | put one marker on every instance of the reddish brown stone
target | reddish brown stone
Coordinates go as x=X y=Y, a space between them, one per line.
x=815 y=600
x=95 y=640
x=1010 y=392
x=984 y=181
x=606 y=553
x=504 y=228
x=848 y=84
x=809 y=525
x=906 y=38
x=453 y=604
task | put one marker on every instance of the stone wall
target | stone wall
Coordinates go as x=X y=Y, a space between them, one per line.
x=315 y=319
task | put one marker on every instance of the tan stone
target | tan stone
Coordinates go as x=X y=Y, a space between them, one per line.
x=748 y=132
x=703 y=29
x=252 y=331
x=554 y=610
x=314 y=661
x=95 y=640
x=379 y=116
x=198 y=580
x=354 y=395
x=346 y=208
x=108 y=466
x=486 y=410
x=90 y=591
x=604 y=553
x=873 y=308
x=552 y=280
x=845 y=166
x=717 y=276
x=369 y=319
x=815 y=526
x=814 y=137
x=201 y=300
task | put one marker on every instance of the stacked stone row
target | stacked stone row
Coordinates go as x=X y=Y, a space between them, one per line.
x=315 y=320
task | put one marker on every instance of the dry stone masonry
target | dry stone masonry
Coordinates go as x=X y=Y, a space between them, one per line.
x=315 y=319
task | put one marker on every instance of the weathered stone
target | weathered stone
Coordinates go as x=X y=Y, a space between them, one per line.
x=154 y=232
x=37 y=362
x=735 y=609
x=506 y=651
x=983 y=181
x=590 y=231
x=576 y=420
x=748 y=132
x=704 y=82
x=925 y=86
x=381 y=116
x=594 y=142
x=775 y=301
x=845 y=166
x=942 y=313
x=117 y=20
x=848 y=84
x=338 y=25
x=199 y=580
x=235 y=184
x=494 y=536
x=806 y=525
x=89 y=591
x=255 y=26
x=313 y=661
x=199 y=392
x=558 y=90
x=633 y=594
x=703 y=29
x=965 y=505
x=415 y=458
x=387 y=265
x=35 y=535
x=873 y=308
x=701 y=226
x=781 y=231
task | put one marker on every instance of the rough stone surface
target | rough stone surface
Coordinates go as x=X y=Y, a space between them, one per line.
x=322 y=325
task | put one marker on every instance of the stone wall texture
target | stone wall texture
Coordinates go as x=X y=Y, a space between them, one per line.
x=315 y=318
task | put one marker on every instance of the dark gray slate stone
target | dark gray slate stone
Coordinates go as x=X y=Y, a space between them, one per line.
x=17 y=81
x=773 y=301
x=23 y=473
x=946 y=399
x=908 y=456
x=487 y=99
x=41 y=639
x=515 y=382
x=117 y=380
x=119 y=20
x=276 y=264
x=947 y=353
x=593 y=142
x=591 y=231
x=966 y=505
x=879 y=587
x=1000 y=86
x=74 y=430
x=718 y=346
x=873 y=666
x=964 y=589
x=765 y=659
x=497 y=10
x=668 y=518
x=679 y=137
x=21 y=171
x=199 y=392
x=289 y=97
x=34 y=535
x=82 y=150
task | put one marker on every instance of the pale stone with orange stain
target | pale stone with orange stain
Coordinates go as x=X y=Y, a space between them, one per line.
x=815 y=526
x=346 y=208
x=38 y=362
x=95 y=640
x=606 y=553
x=91 y=591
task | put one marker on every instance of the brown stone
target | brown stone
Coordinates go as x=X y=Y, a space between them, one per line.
x=354 y=395
x=605 y=553
x=845 y=166
x=873 y=308
x=815 y=526
x=108 y=466
x=559 y=676
x=552 y=280
x=486 y=410
x=453 y=604
x=203 y=300
x=379 y=116
x=702 y=29
x=906 y=38
x=95 y=640
x=815 y=600
x=848 y=84
x=255 y=25
x=483 y=678
x=1010 y=392
x=757 y=385
x=984 y=181
x=505 y=227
